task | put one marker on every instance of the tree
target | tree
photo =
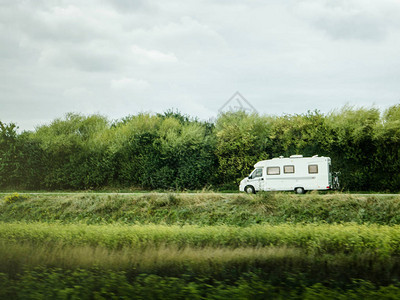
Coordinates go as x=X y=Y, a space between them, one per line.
x=241 y=142
x=9 y=155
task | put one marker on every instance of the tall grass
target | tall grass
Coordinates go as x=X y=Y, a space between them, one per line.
x=53 y=283
x=165 y=260
x=205 y=209
x=312 y=238
x=219 y=263
x=153 y=246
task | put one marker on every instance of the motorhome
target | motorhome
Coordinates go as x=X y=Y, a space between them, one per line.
x=295 y=173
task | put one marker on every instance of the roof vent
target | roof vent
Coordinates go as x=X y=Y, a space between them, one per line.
x=316 y=155
x=296 y=156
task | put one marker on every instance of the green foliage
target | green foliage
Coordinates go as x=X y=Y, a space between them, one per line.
x=354 y=148
x=56 y=283
x=173 y=151
x=163 y=152
x=171 y=114
x=33 y=161
x=9 y=155
x=13 y=198
x=241 y=140
x=387 y=156
x=74 y=157
x=300 y=134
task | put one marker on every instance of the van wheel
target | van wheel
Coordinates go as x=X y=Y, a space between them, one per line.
x=299 y=190
x=249 y=189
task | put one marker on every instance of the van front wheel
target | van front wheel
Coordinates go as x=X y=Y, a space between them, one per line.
x=249 y=189
x=299 y=190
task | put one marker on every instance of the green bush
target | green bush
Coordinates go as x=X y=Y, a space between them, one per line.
x=13 y=198
x=96 y=284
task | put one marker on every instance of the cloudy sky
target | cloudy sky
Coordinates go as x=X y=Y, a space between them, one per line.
x=122 y=57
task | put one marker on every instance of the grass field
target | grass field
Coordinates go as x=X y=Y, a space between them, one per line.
x=201 y=246
x=204 y=208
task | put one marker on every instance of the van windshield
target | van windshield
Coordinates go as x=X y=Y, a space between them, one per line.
x=256 y=173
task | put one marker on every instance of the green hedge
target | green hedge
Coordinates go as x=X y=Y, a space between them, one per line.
x=173 y=151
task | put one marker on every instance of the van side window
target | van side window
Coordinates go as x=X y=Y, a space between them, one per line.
x=288 y=169
x=312 y=169
x=273 y=171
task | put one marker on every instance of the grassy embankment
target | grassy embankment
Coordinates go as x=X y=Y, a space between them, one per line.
x=204 y=209
x=204 y=245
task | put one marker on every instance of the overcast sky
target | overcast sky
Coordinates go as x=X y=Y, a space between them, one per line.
x=127 y=56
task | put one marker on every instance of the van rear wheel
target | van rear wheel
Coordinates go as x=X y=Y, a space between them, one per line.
x=299 y=190
x=249 y=189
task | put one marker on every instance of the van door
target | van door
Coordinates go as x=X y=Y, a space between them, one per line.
x=256 y=179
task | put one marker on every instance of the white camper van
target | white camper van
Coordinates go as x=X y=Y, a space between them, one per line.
x=296 y=173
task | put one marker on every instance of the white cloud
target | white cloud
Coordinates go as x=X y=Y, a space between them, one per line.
x=145 y=55
x=121 y=56
x=350 y=19
x=129 y=83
